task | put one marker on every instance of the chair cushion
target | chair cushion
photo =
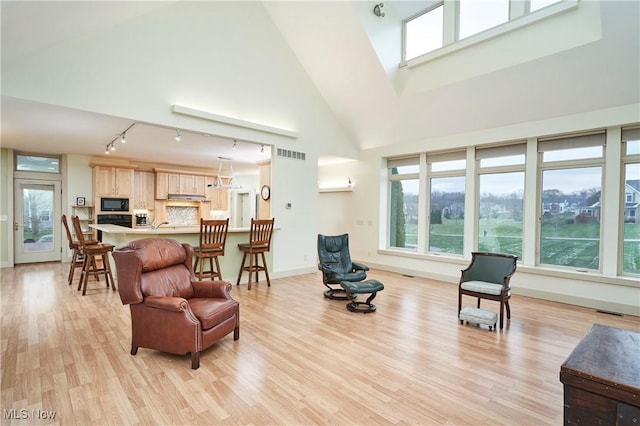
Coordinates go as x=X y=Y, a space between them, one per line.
x=369 y=286
x=337 y=277
x=173 y=281
x=482 y=287
x=212 y=312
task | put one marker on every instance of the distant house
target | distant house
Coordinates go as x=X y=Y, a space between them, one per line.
x=631 y=200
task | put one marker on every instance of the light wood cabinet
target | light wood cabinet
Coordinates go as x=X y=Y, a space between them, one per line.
x=113 y=182
x=162 y=185
x=219 y=197
x=144 y=195
x=174 y=183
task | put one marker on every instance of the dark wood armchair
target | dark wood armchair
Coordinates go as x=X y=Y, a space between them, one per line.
x=487 y=277
x=170 y=310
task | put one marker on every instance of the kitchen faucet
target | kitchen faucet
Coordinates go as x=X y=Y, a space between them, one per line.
x=154 y=226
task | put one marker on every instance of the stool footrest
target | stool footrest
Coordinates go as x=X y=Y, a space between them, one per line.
x=352 y=289
x=478 y=316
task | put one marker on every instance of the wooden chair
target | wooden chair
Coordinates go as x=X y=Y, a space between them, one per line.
x=91 y=253
x=76 y=258
x=487 y=277
x=259 y=244
x=213 y=237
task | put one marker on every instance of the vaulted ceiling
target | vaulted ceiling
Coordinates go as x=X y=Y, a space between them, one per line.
x=351 y=57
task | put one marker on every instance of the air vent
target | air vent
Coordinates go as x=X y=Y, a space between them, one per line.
x=295 y=155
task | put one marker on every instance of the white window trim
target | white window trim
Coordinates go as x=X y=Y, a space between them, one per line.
x=511 y=25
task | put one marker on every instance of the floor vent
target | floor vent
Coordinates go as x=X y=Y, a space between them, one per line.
x=295 y=155
x=408 y=276
x=609 y=313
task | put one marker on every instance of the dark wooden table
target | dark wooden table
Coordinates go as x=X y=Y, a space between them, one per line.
x=601 y=378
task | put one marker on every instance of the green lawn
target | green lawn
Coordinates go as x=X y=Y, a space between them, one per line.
x=566 y=244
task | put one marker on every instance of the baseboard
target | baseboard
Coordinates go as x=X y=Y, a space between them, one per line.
x=601 y=305
x=293 y=272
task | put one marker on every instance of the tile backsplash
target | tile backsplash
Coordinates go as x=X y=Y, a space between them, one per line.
x=182 y=215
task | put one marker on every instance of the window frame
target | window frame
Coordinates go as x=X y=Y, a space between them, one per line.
x=578 y=140
x=520 y=16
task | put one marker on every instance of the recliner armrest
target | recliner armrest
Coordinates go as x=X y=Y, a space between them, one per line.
x=175 y=304
x=359 y=266
x=212 y=289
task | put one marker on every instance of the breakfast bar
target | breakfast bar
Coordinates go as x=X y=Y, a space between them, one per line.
x=229 y=263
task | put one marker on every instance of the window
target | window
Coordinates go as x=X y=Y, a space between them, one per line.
x=501 y=199
x=424 y=33
x=403 y=205
x=38 y=163
x=571 y=189
x=446 y=202
x=479 y=15
x=631 y=203
x=448 y=22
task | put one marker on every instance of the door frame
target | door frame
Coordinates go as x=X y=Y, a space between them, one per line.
x=55 y=255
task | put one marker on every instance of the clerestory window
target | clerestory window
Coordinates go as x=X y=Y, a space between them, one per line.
x=448 y=22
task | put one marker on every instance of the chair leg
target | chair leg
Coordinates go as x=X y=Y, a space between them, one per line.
x=266 y=269
x=108 y=274
x=218 y=270
x=74 y=261
x=83 y=271
x=459 y=303
x=250 y=269
x=506 y=304
x=244 y=257
x=134 y=350
x=195 y=360
x=501 y=315
x=212 y=273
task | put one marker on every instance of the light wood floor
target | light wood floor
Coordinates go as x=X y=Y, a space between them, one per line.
x=301 y=359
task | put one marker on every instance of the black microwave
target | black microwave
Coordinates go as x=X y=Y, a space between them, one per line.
x=114 y=204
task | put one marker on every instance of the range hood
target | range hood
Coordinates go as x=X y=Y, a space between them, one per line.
x=186 y=197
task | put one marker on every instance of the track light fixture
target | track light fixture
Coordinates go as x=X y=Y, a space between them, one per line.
x=235 y=145
x=178 y=136
x=123 y=138
x=261 y=148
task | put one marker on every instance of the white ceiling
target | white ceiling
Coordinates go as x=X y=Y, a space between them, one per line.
x=335 y=44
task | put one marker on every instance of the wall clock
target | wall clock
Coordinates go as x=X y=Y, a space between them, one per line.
x=265 y=192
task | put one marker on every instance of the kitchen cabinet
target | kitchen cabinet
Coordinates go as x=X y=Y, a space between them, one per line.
x=178 y=183
x=111 y=181
x=144 y=194
x=219 y=197
x=192 y=185
x=162 y=185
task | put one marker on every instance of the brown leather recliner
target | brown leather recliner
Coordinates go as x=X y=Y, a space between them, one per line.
x=170 y=310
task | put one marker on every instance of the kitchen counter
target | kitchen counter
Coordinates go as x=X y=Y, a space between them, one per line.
x=229 y=263
x=162 y=230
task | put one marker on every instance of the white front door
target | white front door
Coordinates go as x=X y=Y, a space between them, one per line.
x=37 y=212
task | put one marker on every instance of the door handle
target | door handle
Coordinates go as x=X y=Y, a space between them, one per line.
x=16 y=226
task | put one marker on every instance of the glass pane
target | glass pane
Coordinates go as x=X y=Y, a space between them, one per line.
x=446 y=219
x=632 y=147
x=479 y=15
x=509 y=160
x=35 y=163
x=501 y=213
x=572 y=154
x=631 y=237
x=402 y=170
x=38 y=220
x=570 y=234
x=443 y=166
x=539 y=4
x=424 y=33
x=403 y=214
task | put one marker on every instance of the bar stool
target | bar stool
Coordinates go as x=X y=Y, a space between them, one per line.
x=90 y=254
x=76 y=261
x=259 y=243
x=213 y=237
